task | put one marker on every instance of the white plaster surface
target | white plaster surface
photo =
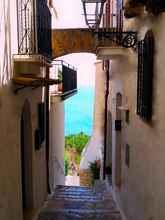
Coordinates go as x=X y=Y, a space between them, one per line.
x=141 y=196
x=72 y=180
x=11 y=107
x=94 y=148
x=57 y=142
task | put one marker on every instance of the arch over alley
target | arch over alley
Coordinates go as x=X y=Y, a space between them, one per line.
x=66 y=41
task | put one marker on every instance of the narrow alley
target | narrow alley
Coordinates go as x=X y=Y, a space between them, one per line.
x=120 y=168
x=80 y=203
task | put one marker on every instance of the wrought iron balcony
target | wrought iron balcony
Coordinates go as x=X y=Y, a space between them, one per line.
x=67 y=74
x=114 y=38
x=34 y=28
x=111 y=33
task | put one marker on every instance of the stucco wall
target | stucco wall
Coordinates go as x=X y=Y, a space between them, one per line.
x=57 y=141
x=94 y=148
x=142 y=195
x=11 y=107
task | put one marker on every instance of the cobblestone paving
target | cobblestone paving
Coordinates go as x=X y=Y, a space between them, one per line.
x=80 y=203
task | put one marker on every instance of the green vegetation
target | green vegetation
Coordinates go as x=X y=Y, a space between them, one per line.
x=95 y=169
x=77 y=158
x=66 y=163
x=60 y=75
x=77 y=141
x=74 y=145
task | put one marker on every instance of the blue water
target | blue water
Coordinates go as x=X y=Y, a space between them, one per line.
x=79 y=111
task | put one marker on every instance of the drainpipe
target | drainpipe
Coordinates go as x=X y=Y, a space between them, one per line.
x=47 y=129
x=105 y=114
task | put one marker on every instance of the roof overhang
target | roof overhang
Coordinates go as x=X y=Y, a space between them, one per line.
x=111 y=52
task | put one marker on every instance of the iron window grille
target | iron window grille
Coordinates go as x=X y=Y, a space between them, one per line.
x=145 y=76
x=34 y=27
x=67 y=74
x=40 y=131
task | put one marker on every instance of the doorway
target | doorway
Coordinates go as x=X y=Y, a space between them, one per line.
x=109 y=140
x=118 y=162
x=26 y=160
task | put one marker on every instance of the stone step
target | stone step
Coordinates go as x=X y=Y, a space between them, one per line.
x=80 y=203
x=73 y=188
x=73 y=216
x=75 y=193
x=87 y=205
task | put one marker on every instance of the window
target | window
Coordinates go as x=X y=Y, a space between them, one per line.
x=127 y=155
x=34 y=27
x=145 y=76
x=40 y=131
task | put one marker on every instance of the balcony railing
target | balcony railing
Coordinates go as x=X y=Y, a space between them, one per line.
x=68 y=77
x=110 y=32
x=34 y=27
x=114 y=38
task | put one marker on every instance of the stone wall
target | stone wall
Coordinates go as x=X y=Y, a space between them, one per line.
x=85 y=178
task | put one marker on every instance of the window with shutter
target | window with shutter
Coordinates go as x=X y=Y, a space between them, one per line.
x=145 y=76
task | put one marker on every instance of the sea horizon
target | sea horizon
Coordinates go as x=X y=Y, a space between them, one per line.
x=79 y=111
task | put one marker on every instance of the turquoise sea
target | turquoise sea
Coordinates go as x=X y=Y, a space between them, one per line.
x=79 y=111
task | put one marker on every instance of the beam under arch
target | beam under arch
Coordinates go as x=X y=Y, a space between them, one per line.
x=66 y=41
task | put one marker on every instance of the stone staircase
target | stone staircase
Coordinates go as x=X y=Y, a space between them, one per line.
x=80 y=203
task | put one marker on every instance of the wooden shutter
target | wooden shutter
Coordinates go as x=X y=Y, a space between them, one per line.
x=145 y=76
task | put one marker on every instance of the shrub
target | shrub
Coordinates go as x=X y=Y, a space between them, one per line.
x=77 y=141
x=108 y=170
x=77 y=158
x=95 y=169
x=66 y=163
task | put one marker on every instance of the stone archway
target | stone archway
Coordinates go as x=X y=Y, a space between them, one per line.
x=26 y=159
x=67 y=41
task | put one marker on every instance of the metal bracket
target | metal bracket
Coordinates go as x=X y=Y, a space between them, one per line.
x=24 y=87
x=18 y=89
x=125 y=39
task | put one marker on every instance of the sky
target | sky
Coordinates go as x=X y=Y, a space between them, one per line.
x=70 y=15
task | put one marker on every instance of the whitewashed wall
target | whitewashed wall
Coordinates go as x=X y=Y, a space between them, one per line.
x=8 y=38
x=11 y=107
x=141 y=195
x=57 y=142
x=94 y=148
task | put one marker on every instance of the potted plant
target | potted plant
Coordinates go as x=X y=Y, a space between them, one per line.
x=108 y=171
x=95 y=170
